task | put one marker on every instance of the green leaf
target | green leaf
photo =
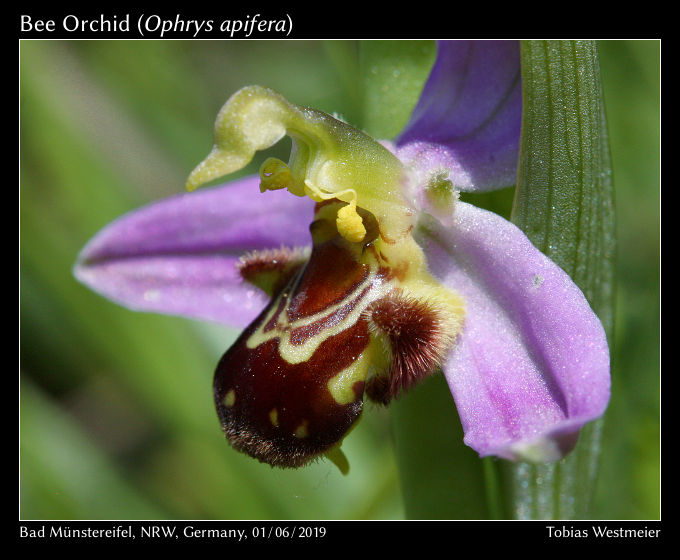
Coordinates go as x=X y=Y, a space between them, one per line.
x=393 y=74
x=564 y=203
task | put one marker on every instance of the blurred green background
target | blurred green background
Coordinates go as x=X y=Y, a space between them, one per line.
x=116 y=412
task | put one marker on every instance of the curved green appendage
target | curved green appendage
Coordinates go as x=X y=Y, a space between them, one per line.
x=336 y=456
x=329 y=159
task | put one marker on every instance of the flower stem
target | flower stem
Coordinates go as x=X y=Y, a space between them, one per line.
x=440 y=477
x=494 y=488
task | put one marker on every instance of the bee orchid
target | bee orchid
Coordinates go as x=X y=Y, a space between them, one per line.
x=356 y=271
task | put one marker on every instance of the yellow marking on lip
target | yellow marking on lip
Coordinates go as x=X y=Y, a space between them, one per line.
x=229 y=399
x=301 y=431
x=341 y=386
x=299 y=353
x=274 y=417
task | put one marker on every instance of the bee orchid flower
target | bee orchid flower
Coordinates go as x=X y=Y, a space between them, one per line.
x=356 y=271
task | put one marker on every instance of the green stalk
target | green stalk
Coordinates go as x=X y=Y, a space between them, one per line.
x=564 y=202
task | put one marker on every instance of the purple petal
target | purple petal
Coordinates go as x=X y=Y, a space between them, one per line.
x=532 y=363
x=469 y=115
x=178 y=256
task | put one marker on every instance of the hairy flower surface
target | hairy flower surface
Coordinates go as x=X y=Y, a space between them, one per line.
x=356 y=270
